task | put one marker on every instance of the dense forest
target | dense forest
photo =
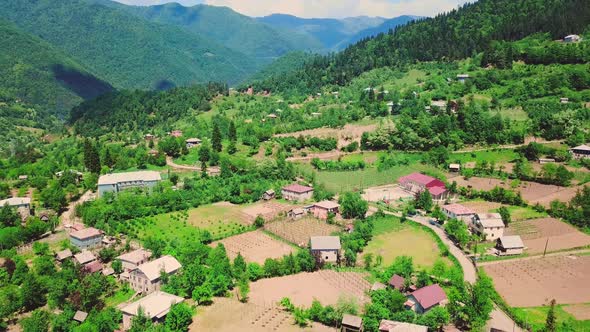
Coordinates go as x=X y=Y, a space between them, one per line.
x=455 y=35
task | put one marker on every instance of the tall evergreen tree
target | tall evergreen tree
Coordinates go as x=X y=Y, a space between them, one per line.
x=551 y=322
x=216 y=138
x=91 y=157
x=233 y=136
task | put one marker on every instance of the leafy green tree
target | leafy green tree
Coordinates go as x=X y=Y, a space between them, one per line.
x=352 y=205
x=368 y=260
x=179 y=318
x=141 y=322
x=117 y=266
x=33 y=292
x=8 y=216
x=233 y=136
x=203 y=294
x=243 y=289
x=37 y=322
x=259 y=221
x=506 y=217
x=424 y=200
x=240 y=267
x=435 y=318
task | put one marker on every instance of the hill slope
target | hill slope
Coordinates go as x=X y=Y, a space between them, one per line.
x=37 y=73
x=385 y=27
x=455 y=35
x=225 y=26
x=127 y=51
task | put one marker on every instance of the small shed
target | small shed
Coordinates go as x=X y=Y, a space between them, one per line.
x=63 y=255
x=564 y=100
x=268 y=195
x=454 y=168
x=192 y=142
x=546 y=160
x=326 y=249
x=397 y=282
x=296 y=213
x=80 y=316
x=351 y=323
x=462 y=78
x=509 y=245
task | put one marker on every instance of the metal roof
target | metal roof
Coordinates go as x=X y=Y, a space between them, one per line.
x=325 y=243
x=129 y=176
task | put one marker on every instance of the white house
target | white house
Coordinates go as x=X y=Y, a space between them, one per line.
x=488 y=224
x=86 y=238
x=510 y=245
x=146 y=277
x=120 y=181
x=326 y=249
x=156 y=306
x=581 y=151
x=572 y=38
x=458 y=211
x=131 y=260
x=192 y=142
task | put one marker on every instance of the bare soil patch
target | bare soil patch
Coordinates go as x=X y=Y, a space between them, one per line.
x=534 y=282
x=327 y=286
x=230 y=315
x=299 y=231
x=531 y=192
x=268 y=210
x=580 y=311
x=481 y=206
x=536 y=232
x=388 y=193
x=254 y=246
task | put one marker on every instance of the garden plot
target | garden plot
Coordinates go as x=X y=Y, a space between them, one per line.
x=556 y=234
x=531 y=192
x=534 y=282
x=268 y=210
x=229 y=315
x=327 y=286
x=299 y=231
x=255 y=246
x=345 y=135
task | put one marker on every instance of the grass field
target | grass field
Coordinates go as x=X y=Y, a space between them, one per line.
x=119 y=297
x=514 y=114
x=524 y=213
x=392 y=239
x=536 y=316
x=411 y=77
x=498 y=156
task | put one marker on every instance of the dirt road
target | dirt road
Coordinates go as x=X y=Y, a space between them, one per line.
x=69 y=215
x=171 y=163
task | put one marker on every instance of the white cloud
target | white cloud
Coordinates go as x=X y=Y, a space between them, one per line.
x=324 y=8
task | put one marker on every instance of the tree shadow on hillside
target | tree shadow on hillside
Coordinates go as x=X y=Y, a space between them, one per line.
x=82 y=84
x=163 y=85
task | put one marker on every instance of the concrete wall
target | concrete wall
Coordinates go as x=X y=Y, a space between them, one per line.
x=87 y=243
x=291 y=196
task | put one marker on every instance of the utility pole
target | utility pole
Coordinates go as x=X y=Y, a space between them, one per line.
x=545 y=251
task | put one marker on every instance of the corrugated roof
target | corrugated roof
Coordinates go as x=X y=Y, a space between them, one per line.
x=135 y=256
x=582 y=147
x=393 y=326
x=327 y=205
x=297 y=188
x=61 y=255
x=325 y=243
x=129 y=176
x=397 y=281
x=429 y=296
x=14 y=201
x=166 y=263
x=155 y=305
x=435 y=191
x=86 y=233
x=93 y=267
x=511 y=242
x=84 y=257
x=351 y=320
x=458 y=209
x=488 y=220
x=80 y=316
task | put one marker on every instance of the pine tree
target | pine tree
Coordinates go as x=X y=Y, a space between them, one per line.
x=233 y=136
x=91 y=157
x=216 y=138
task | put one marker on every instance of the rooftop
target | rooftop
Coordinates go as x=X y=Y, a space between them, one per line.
x=86 y=233
x=129 y=176
x=397 y=281
x=327 y=205
x=423 y=179
x=393 y=326
x=80 y=316
x=155 y=305
x=325 y=243
x=458 y=209
x=297 y=188
x=488 y=220
x=435 y=191
x=429 y=296
x=193 y=140
x=511 y=242
x=61 y=255
x=14 y=201
x=166 y=263
x=135 y=256
x=352 y=321
x=93 y=267
x=582 y=147
x=84 y=257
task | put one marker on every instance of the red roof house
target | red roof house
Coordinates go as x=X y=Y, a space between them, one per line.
x=418 y=182
x=397 y=282
x=426 y=298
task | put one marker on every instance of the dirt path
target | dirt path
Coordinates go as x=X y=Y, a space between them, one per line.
x=69 y=215
x=509 y=146
x=498 y=319
x=561 y=253
x=171 y=163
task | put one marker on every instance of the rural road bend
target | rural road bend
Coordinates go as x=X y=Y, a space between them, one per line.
x=498 y=318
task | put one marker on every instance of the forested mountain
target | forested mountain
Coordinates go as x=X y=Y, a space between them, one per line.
x=331 y=33
x=454 y=35
x=127 y=51
x=384 y=27
x=37 y=73
x=227 y=27
x=283 y=65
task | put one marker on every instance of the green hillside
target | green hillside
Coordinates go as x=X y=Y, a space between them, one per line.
x=454 y=35
x=225 y=26
x=125 y=50
x=37 y=73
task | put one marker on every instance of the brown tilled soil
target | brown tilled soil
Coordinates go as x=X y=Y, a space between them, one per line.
x=230 y=315
x=580 y=311
x=255 y=246
x=268 y=210
x=534 y=282
x=299 y=231
x=536 y=232
x=481 y=206
x=327 y=286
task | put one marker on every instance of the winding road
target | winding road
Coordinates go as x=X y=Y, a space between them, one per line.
x=498 y=319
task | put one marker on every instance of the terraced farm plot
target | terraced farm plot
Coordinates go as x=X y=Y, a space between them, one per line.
x=299 y=231
x=255 y=246
x=230 y=315
x=534 y=282
x=268 y=210
x=557 y=235
x=327 y=286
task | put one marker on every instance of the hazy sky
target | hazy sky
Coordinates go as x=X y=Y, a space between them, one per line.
x=323 y=8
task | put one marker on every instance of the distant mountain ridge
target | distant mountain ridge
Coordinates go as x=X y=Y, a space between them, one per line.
x=384 y=27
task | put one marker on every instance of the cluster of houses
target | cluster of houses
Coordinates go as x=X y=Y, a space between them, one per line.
x=416 y=183
x=489 y=225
